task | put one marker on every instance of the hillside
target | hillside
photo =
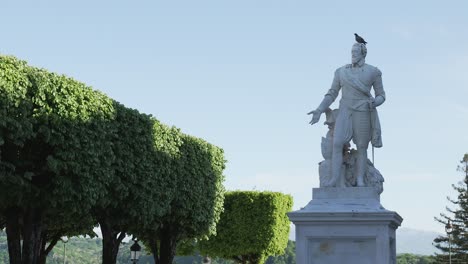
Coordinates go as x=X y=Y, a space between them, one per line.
x=80 y=250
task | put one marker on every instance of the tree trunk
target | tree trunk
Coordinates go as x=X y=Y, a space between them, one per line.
x=46 y=250
x=30 y=230
x=13 y=235
x=111 y=240
x=255 y=259
x=43 y=256
x=32 y=238
x=238 y=259
x=168 y=245
x=154 y=248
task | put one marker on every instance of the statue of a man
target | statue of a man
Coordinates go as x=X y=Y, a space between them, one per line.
x=357 y=118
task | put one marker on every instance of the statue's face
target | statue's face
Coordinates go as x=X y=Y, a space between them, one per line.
x=356 y=54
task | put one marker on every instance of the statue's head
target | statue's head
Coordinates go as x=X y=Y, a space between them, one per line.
x=358 y=53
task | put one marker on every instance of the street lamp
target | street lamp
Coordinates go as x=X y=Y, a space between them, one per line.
x=207 y=260
x=448 y=230
x=64 y=241
x=135 y=251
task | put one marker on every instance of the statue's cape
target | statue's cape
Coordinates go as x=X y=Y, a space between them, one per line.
x=351 y=81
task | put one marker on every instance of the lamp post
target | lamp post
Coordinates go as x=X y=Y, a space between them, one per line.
x=64 y=241
x=448 y=230
x=207 y=260
x=135 y=251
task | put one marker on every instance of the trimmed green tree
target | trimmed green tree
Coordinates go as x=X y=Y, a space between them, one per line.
x=143 y=185
x=197 y=203
x=458 y=218
x=253 y=226
x=72 y=157
x=81 y=154
x=53 y=146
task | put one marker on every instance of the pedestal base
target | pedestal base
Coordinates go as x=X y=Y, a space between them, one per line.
x=345 y=226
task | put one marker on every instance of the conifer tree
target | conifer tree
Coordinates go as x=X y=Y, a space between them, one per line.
x=455 y=242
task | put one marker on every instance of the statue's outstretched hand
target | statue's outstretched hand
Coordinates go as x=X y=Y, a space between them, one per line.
x=315 y=116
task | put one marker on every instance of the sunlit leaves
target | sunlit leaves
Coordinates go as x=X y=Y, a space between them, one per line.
x=253 y=226
x=76 y=153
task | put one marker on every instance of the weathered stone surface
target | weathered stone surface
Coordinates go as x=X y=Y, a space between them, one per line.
x=345 y=225
x=356 y=119
x=345 y=221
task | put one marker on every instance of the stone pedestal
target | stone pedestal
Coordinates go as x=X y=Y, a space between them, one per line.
x=345 y=226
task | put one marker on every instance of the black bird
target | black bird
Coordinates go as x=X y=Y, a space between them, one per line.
x=359 y=39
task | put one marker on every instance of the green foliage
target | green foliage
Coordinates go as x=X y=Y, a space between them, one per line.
x=54 y=145
x=74 y=121
x=253 y=226
x=80 y=250
x=52 y=137
x=16 y=126
x=415 y=259
x=458 y=218
x=74 y=156
x=198 y=203
x=196 y=172
x=16 y=121
x=141 y=185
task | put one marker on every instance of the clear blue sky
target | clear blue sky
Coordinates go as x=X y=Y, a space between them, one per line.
x=243 y=74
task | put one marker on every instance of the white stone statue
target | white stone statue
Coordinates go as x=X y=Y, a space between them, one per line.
x=356 y=117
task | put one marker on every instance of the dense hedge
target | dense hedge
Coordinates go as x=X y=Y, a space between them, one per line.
x=56 y=153
x=54 y=139
x=71 y=157
x=198 y=201
x=200 y=194
x=253 y=226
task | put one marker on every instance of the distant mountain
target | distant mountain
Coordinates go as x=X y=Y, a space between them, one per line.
x=408 y=240
x=415 y=241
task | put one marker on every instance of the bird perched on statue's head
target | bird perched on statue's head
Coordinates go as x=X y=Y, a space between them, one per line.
x=359 y=39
